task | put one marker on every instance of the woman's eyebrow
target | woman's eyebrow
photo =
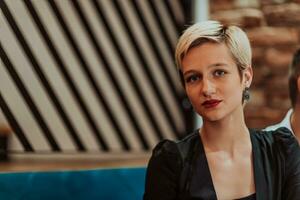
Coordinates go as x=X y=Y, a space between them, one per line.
x=210 y=66
x=218 y=65
x=190 y=72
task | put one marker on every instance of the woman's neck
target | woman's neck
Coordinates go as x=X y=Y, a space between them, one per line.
x=227 y=134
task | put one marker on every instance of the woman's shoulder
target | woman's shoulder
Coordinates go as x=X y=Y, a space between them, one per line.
x=279 y=133
x=178 y=147
x=281 y=137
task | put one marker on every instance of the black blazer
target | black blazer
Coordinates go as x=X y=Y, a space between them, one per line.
x=172 y=173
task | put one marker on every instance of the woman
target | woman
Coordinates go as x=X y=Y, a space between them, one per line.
x=224 y=159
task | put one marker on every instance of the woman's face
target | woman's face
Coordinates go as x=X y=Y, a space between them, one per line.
x=212 y=81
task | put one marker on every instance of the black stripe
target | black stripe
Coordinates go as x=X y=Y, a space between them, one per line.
x=15 y=125
x=10 y=117
x=128 y=72
x=151 y=40
x=161 y=28
x=187 y=6
x=141 y=57
x=179 y=27
x=154 y=45
x=186 y=112
x=28 y=99
x=115 y=82
x=87 y=72
x=182 y=5
x=61 y=67
x=177 y=10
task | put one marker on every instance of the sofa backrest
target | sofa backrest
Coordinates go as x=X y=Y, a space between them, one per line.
x=100 y=184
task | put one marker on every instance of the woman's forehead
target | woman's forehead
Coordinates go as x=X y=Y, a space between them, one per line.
x=206 y=55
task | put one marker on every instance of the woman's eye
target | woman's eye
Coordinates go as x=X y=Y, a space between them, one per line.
x=192 y=78
x=219 y=73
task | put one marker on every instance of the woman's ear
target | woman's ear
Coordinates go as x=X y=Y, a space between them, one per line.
x=248 y=75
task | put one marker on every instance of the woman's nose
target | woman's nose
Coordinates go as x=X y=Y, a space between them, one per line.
x=208 y=87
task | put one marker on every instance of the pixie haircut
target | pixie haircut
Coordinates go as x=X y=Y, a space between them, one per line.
x=213 y=31
x=293 y=77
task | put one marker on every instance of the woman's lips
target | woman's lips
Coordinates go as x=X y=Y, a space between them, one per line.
x=211 y=103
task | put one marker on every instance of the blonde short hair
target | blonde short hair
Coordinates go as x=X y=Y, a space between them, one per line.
x=213 y=31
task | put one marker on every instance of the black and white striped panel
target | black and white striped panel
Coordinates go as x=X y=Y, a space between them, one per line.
x=90 y=75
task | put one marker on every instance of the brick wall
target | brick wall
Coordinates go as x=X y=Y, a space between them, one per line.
x=273 y=27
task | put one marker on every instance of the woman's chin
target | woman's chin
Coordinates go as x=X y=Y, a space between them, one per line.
x=211 y=118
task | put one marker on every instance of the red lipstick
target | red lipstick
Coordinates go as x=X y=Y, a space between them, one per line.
x=211 y=103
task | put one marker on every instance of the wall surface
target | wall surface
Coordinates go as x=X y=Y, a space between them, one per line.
x=90 y=76
x=273 y=27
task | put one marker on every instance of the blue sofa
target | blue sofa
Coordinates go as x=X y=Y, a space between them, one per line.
x=100 y=184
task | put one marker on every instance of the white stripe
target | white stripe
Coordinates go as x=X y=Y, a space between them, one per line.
x=157 y=74
x=40 y=52
x=164 y=51
x=135 y=67
x=14 y=143
x=166 y=21
x=124 y=82
x=177 y=10
x=12 y=97
x=63 y=48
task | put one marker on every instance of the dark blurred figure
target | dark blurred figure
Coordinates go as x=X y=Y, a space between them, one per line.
x=5 y=132
x=292 y=118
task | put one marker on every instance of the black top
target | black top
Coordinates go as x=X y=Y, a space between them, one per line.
x=250 y=197
x=173 y=174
